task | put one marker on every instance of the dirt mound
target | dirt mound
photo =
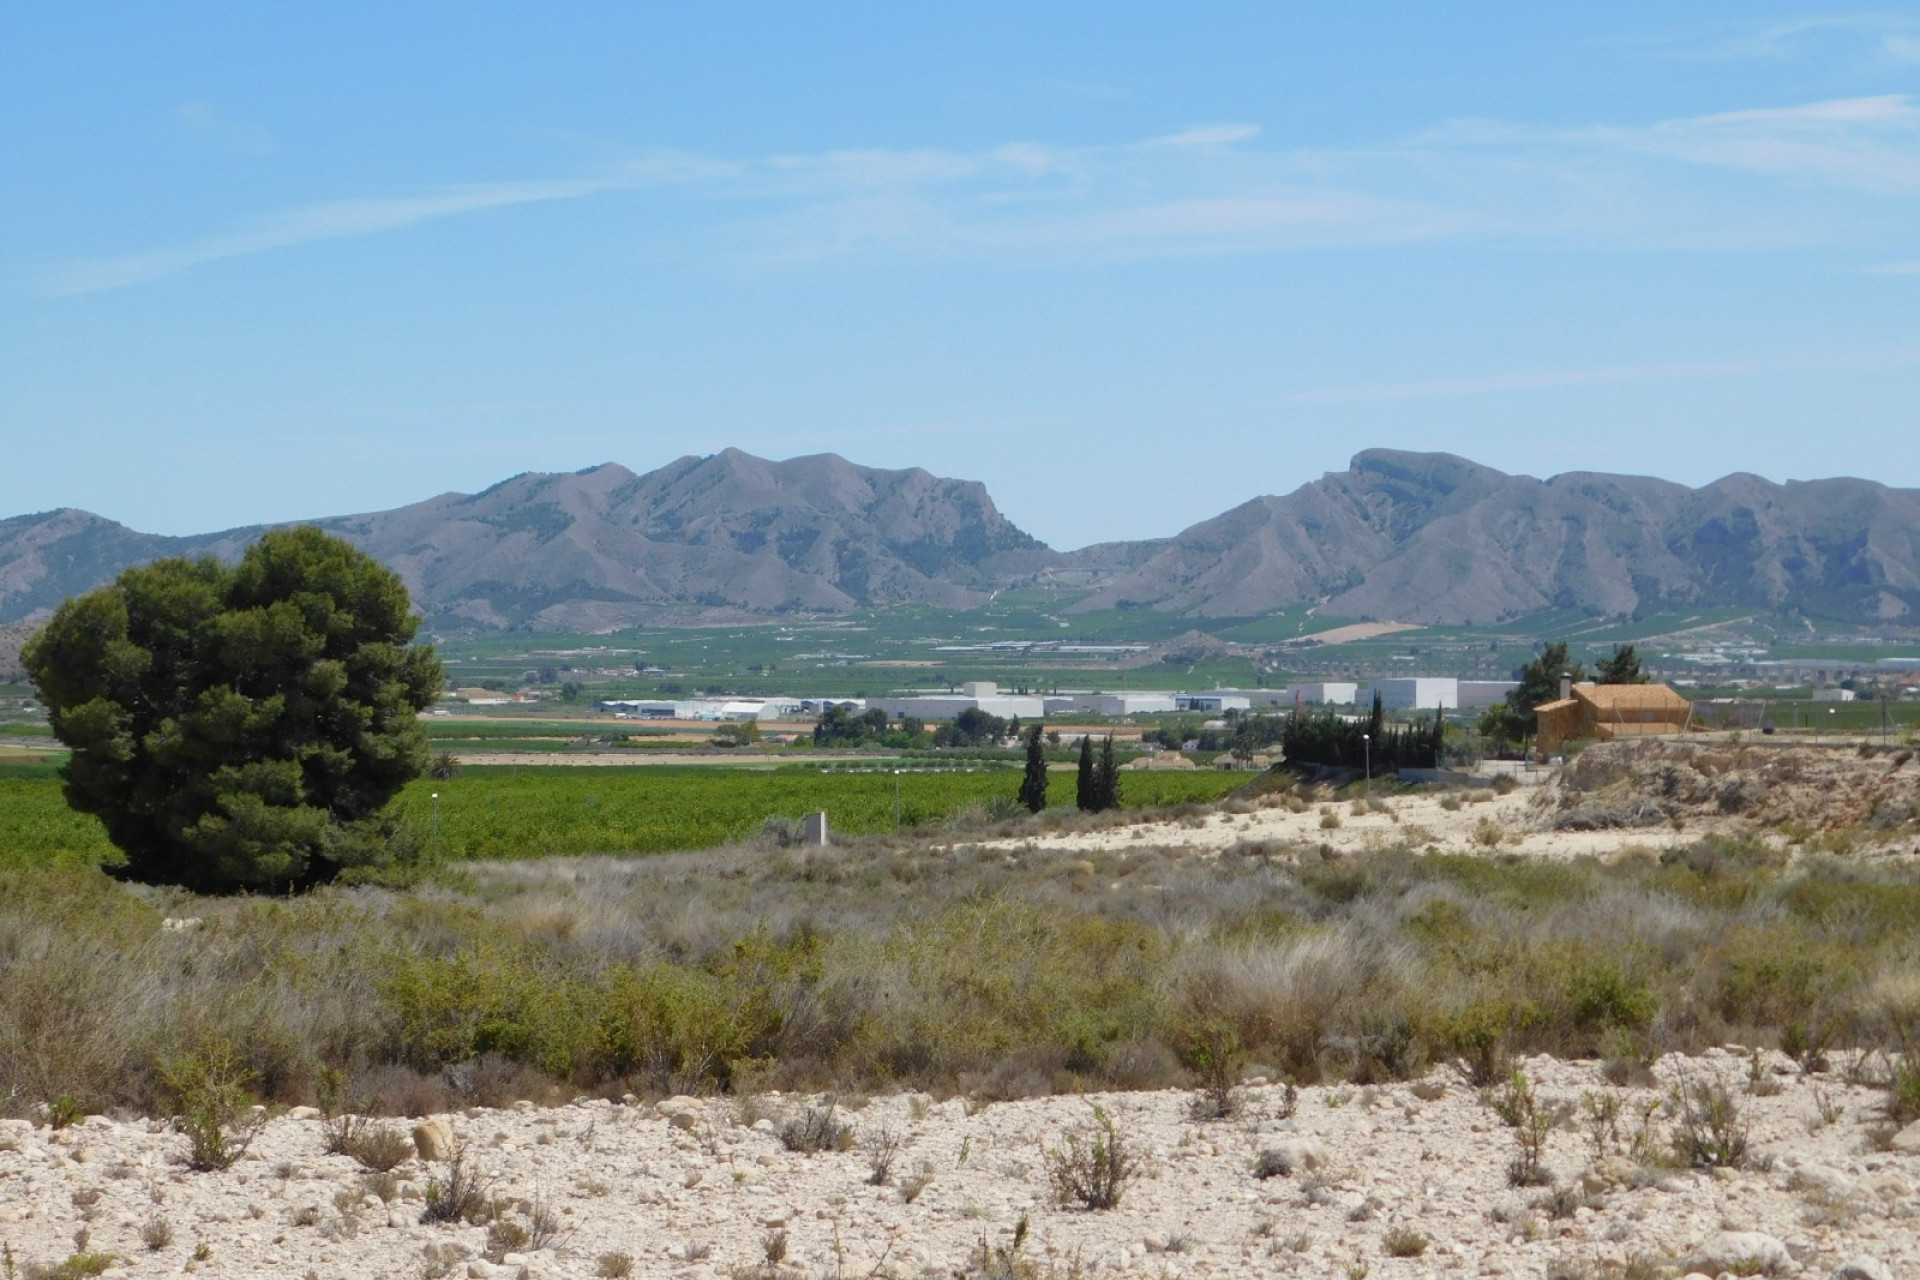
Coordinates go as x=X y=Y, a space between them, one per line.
x=1639 y=784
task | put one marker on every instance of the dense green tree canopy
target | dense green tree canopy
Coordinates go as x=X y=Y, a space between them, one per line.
x=1623 y=667
x=240 y=727
x=1512 y=721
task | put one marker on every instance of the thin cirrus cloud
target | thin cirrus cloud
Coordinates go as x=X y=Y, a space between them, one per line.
x=1565 y=379
x=1866 y=143
x=330 y=221
x=340 y=219
x=1893 y=36
x=1211 y=189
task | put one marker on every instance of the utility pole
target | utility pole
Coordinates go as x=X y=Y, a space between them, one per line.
x=1366 y=745
x=896 y=800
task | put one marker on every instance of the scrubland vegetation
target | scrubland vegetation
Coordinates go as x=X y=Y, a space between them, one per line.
x=904 y=962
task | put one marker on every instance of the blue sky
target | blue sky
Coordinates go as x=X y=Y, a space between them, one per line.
x=1127 y=264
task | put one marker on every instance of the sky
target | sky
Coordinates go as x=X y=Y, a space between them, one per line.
x=1129 y=265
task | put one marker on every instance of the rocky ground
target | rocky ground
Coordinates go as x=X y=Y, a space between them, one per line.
x=1399 y=1180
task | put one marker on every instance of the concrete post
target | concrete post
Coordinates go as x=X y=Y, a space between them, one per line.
x=814 y=830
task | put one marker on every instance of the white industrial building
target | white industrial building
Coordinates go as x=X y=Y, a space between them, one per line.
x=1417 y=693
x=1342 y=692
x=1485 y=693
x=979 y=695
x=1213 y=700
x=1113 y=704
x=1833 y=695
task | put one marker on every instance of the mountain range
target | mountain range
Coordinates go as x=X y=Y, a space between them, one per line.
x=1416 y=537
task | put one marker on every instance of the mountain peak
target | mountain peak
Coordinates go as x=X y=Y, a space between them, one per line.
x=1425 y=537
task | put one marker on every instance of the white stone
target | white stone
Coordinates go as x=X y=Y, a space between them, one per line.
x=1741 y=1251
x=433 y=1139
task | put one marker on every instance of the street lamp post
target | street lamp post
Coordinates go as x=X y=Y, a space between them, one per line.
x=1366 y=745
x=896 y=800
x=436 y=824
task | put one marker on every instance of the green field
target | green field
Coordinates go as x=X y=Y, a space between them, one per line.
x=503 y=812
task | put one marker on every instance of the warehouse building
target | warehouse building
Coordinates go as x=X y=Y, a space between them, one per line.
x=979 y=695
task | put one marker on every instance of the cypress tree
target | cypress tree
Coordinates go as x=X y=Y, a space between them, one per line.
x=1033 y=785
x=1107 y=784
x=1085 y=796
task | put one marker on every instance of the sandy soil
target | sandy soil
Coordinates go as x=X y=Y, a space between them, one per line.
x=1420 y=821
x=694 y=1188
x=1615 y=797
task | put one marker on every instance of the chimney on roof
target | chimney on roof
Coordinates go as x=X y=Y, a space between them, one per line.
x=1566 y=685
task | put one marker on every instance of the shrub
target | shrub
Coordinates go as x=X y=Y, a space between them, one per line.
x=882 y=1148
x=1093 y=1165
x=613 y=1266
x=815 y=1130
x=1217 y=1058
x=156 y=1233
x=211 y=1106
x=1001 y=1262
x=1478 y=1036
x=1709 y=1131
x=379 y=1148
x=505 y=1236
x=1532 y=1125
x=1903 y=1090
x=1403 y=1242
x=1273 y=1163
x=462 y=1195
x=75 y=1267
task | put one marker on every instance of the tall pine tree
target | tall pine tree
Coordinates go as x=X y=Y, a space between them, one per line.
x=1085 y=795
x=1033 y=785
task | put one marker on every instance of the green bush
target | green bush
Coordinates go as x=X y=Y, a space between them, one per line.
x=211 y=1106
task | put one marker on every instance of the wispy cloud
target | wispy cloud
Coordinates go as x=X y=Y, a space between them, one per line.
x=1214 y=188
x=1892 y=35
x=1871 y=143
x=1565 y=379
x=1896 y=269
x=330 y=221
x=340 y=219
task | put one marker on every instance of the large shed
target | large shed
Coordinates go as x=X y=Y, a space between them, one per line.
x=1608 y=711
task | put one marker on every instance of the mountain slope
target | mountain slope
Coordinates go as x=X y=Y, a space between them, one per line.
x=1434 y=538
x=603 y=547
x=1419 y=537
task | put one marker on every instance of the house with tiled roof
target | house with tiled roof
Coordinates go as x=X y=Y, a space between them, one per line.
x=1605 y=712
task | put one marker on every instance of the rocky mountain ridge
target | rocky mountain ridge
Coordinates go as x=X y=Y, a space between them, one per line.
x=1418 y=537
